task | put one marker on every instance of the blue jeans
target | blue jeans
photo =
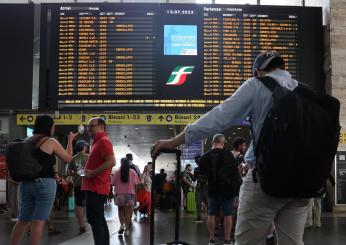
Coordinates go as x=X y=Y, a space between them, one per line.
x=216 y=203
x=36 y=199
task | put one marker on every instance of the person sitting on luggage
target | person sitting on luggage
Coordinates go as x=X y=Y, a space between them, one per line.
x=125 y=181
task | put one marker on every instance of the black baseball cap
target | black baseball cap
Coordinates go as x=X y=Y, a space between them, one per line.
x=262 y=60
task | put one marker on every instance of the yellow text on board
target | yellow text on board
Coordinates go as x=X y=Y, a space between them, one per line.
x=115 y=119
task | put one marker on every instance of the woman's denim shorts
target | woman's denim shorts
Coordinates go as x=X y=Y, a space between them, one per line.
x=36 y=199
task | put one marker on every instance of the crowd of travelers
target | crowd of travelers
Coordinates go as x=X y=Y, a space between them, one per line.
x=224 y=183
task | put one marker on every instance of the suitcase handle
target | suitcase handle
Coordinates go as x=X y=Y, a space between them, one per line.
x=175 y=151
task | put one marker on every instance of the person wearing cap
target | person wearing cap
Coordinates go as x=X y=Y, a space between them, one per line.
x=77 y=164
x=257 y=210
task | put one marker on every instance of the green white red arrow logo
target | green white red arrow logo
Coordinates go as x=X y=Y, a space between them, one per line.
x=179 y=74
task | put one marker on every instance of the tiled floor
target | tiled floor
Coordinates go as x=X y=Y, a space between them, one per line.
x=333 y=231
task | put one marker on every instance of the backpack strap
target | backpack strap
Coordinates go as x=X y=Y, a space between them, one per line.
x=42 y=142
x=269 y=82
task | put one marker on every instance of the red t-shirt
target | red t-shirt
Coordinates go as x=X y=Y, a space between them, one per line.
x=100 y=149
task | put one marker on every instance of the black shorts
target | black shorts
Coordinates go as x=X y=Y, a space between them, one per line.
x=79 y=196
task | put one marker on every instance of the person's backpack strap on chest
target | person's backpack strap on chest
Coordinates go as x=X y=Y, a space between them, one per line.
x=269 y=82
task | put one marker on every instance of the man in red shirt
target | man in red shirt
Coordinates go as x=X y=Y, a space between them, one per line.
x=96 y=182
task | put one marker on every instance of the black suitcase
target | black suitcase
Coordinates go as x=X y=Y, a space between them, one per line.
x=177 y=204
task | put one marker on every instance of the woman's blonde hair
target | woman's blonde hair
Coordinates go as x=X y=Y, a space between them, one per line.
x=146 y=168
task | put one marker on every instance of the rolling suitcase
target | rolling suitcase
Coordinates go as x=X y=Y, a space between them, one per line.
x=177 y=204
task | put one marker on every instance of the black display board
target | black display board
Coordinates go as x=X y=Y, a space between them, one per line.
x=340 y=173
x=168 y=56
x=16 y=55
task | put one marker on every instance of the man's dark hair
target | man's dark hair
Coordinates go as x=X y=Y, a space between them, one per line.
x=162 y=171
x=101 y=121
x=238 y=142
x=187 y=166
x=275 y=63
x=129 y=156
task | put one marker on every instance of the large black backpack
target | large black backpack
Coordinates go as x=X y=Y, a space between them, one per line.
x=21 y=161
x=226 y=173
x=297 y=142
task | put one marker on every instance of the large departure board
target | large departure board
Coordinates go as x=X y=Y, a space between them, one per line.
x=168 y=56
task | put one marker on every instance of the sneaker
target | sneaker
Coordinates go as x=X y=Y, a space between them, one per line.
x=127 y=232
x=212 y=242
x=121 y=230
x=227 y=242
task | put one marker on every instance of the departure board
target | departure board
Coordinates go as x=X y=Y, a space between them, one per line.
x=231 y=40
x=168 y=56
x=106 y=53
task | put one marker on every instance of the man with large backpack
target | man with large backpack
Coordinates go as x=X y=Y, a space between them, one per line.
x=220 y=167
x=290 y=123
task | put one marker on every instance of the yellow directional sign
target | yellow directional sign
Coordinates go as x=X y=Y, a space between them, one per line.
x=115 y=119
x=342 y=140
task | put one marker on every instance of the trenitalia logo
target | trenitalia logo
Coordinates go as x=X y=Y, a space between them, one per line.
x=179 y=74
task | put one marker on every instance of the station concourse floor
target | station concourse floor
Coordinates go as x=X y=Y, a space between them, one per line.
x=333 y=231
